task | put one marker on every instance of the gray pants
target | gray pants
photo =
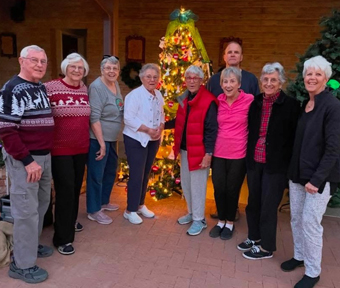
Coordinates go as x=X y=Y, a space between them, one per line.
x=29 y=203
x=194 y=185
x=306 y=214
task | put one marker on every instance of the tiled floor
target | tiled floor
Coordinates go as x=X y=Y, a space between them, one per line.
x=158 y=253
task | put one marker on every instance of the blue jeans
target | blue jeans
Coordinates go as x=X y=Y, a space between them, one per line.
x=101 y=175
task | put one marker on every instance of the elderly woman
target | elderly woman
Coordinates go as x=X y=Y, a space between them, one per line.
x=144 y=123
x=272 y=122
x=106 y=121
x=195 y=136
x=71 y=112
x=314 y=170
x=229 y=163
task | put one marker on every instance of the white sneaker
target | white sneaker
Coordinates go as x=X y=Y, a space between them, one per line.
x=146 y=212
x=133 y=217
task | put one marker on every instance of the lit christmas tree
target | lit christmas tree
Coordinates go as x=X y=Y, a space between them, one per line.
x=181 y=46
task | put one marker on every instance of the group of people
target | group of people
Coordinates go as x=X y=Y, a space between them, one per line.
x=57 y=128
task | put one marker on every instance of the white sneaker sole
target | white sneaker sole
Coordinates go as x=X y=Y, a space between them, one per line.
x=146 y=215
x=126 y=216
x=251 y=258
x=100 y=222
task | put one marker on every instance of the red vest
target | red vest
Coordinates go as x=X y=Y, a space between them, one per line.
x=195 y=126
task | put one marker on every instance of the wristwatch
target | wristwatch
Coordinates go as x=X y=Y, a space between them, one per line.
x=209 y=154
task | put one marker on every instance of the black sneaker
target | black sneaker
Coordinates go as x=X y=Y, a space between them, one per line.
x=246 y=245
x=307 y=282
x=215 y=232
x=29 y=275
x=44 y=251
x=291 y=264
x=255 y=253
x=226 y=233
x=66 y=249
x=78 y=227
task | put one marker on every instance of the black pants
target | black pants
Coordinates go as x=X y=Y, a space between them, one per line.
x=140 y=160
x=68 y=173
x=265 y=194
x=227 y=177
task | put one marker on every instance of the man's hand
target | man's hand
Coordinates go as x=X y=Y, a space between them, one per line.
x=33 y=172
x=311 y=188
x=206 y=161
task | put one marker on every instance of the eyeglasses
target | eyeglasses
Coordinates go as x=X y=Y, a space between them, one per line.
x=108 y=56
x=74 y=67
x=192 y=79
x=149 y=77
x=270 y=80
x=109 y=69
x=36 y=60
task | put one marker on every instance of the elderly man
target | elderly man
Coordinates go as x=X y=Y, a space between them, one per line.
x=26 y=129
x=233 y=57
x=195 y=136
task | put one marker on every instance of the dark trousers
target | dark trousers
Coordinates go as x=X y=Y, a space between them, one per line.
x=68 y=173
x=265 y=194
x=101 y=175
x=227 y=178
x=140 y=160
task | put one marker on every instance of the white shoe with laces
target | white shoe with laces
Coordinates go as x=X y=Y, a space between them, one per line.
x=133 y=217
x=146 y=212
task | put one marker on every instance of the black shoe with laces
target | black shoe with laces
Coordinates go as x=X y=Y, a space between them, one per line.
x=255 y=253
x=291 y=264
x=66 y=249
x=307 y=282
x=246 y=245
x=78 y=227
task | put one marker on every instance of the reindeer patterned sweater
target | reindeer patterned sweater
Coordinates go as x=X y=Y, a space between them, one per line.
x=71 y=112
x=26 y=122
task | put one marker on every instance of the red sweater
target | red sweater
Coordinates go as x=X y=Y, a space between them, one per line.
x=71 y=112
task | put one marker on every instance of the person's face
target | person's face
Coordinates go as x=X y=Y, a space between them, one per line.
x=110 y=72
x=75 y=71
x=233 y=55
x=150 y=79
x=33 y=66
x=230 y=86
x=193 y=82
x=315 y=81
x=271 y=84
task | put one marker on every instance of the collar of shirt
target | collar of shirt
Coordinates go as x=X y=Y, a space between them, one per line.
x=271 y=100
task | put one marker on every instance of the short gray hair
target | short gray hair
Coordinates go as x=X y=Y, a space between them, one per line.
x=226 y=72
x=270 y=68
x=71 y=58
x=112 y=60
x=24 y=52
x=148 y=66
x=195 y=70
x=318 y=62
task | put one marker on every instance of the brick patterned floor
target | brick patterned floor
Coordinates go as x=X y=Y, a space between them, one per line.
x=159 y=254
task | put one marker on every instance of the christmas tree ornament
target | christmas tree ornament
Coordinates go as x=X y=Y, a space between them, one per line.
x=152 y=192
x=178 y=180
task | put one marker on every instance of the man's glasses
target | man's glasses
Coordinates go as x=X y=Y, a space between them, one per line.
x=108 y=56
x=36 y=61
x=74 y=67
x=192 y=79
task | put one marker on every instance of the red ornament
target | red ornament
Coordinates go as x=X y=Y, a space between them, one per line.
x=178 y=180
x=190 y=39
x=184 y=84
x=176 y=40
x=183 y=47
x=175 y=56
x=185 y=58
x=167 y=118
x=171 y=104
x=126 y=189
x=152 y=192
x=155 y=168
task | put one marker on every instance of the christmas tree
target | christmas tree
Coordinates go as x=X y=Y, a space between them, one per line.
x=329 y=47
x=181 y=47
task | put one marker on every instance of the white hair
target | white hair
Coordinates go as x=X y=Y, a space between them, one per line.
x=24 y=52
x=270 y=68
x=226 y=72
x=72 y=58
x=318 y=62
x=112 y=60
x=194 y=70
x=147 y=66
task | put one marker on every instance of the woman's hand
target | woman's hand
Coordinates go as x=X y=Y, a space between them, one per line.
x=311 y=188
x=206 y=161
x=155 y=134
x=101 y=153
